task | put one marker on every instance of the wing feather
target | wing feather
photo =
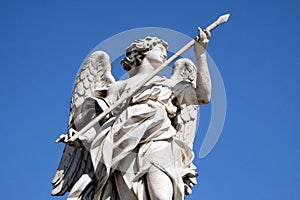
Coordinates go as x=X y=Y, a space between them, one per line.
x=186 y=121
x=95 y=75
x=75 y=165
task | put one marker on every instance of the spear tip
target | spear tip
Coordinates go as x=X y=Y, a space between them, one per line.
x=223 y=18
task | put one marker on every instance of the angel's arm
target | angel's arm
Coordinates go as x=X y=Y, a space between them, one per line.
x=203 y=82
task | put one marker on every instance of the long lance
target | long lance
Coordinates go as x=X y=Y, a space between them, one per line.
x=222 y=19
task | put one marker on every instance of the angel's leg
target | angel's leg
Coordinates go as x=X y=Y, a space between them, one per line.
x=159 y=185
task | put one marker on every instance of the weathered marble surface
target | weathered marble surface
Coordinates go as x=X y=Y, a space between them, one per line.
x=143 y=149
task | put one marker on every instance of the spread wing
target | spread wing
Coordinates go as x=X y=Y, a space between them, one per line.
x=186 y=121
x=75 y=170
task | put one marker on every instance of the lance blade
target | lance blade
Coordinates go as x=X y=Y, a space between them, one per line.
x=222 y=19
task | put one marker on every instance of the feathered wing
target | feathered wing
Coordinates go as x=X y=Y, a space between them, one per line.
x=187 y=124
x=186 y=121
x=93 y=80
x=75 y=170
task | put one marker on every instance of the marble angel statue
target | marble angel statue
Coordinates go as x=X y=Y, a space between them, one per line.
x=143 y=148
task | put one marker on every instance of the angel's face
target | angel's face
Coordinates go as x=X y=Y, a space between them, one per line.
x=157 y=55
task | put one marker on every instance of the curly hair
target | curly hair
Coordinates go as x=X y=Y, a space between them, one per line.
x=135 y=53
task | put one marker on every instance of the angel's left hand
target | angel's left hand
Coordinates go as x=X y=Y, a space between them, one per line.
x=202 y=41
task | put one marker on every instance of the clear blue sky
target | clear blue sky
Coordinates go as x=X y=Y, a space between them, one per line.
x=43 y=43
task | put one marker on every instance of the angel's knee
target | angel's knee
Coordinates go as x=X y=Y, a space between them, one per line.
x=159 y=185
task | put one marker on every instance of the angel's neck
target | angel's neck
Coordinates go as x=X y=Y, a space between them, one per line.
x=145 y=68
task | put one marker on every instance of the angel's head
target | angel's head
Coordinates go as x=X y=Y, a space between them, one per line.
x=137 y=51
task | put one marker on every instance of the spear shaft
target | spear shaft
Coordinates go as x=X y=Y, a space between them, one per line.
x=220 y=20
